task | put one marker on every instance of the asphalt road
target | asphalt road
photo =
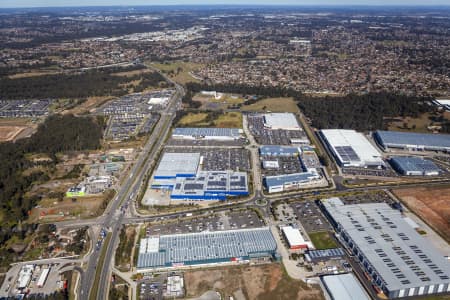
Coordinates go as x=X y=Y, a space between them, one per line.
x=113 y=217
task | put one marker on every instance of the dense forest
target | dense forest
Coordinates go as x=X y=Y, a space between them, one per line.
x=57 y=133
x=76 y=85
x=360 y=112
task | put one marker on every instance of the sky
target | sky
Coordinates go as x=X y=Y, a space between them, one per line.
x=51 y=3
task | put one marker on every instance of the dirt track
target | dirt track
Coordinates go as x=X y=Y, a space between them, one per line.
x=431 y=204
x=8 y=133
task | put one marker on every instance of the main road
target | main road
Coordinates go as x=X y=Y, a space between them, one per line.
x=113 y=217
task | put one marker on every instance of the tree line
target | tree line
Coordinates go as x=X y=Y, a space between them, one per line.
x=76 y=85
x=360 y=112
x=58 y=133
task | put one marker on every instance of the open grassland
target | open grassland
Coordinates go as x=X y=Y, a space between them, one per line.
x=419 y=124
x=431 y=204
x=273 y=105
x=222 y=103
x=179 y=70
x=89 y=105
x=322 y=240
x=208 y=119
x=32 y=73
x=263 y=282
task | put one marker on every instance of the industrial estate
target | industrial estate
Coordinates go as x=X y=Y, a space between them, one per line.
x=156 y=181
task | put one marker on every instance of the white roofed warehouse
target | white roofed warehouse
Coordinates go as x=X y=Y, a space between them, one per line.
x=351 y=148
x=344 y=287
x=286 y=121
x=399 y=261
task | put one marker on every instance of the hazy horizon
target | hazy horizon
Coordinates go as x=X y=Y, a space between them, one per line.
x=87 y=3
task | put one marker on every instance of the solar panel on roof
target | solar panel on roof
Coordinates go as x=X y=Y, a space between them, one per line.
x=193 y=186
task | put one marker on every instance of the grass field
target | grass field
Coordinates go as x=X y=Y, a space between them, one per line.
x=225 y=102
x=179 y=70
x=322 y=240
x=263 y=282
x=419 y=124
x=203 y=119
x=273 y=105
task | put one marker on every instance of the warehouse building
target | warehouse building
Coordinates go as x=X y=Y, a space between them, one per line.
x=206 y=248
x=413 y=141
x=279 y=151
x=344 y=287
x=288 y=182
x=210 y=185
x=295 y=239
x=414 y=166
x=398 y=260
x=286 y=121
x=351 y=148
x=174 y=165
x=219 y=134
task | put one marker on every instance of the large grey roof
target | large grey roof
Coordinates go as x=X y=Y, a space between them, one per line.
x=208 y=246
x=172 y=164
x=199 y=131
x=396 y=251
x=414 y=164
x=344 y=287
x=411 y=138
x=289 y=178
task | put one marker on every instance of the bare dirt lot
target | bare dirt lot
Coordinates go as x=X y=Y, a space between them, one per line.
x=263 y=282
x=8 y=133
x=431 y=204
x=14 y=128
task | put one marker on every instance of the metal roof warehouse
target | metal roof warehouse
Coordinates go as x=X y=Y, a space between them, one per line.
x=286 y=121
x=413 y=141
x=414 y=166
x=351 y=148
x=211 y=185
x=399 y=261
x=174 y=165
x=207 y=133
x=206 y=248
x=344 y=287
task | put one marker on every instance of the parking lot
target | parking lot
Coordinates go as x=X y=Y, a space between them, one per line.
x=220 y=159
x=123 y=126
x=244 y=219
x=310 y=160
x=235 y=219
x=310 y=216
x=24 y=108
x=287 y=165
x=266 y=136
x=387 y=172
x=151 y=288
x=376 y=197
